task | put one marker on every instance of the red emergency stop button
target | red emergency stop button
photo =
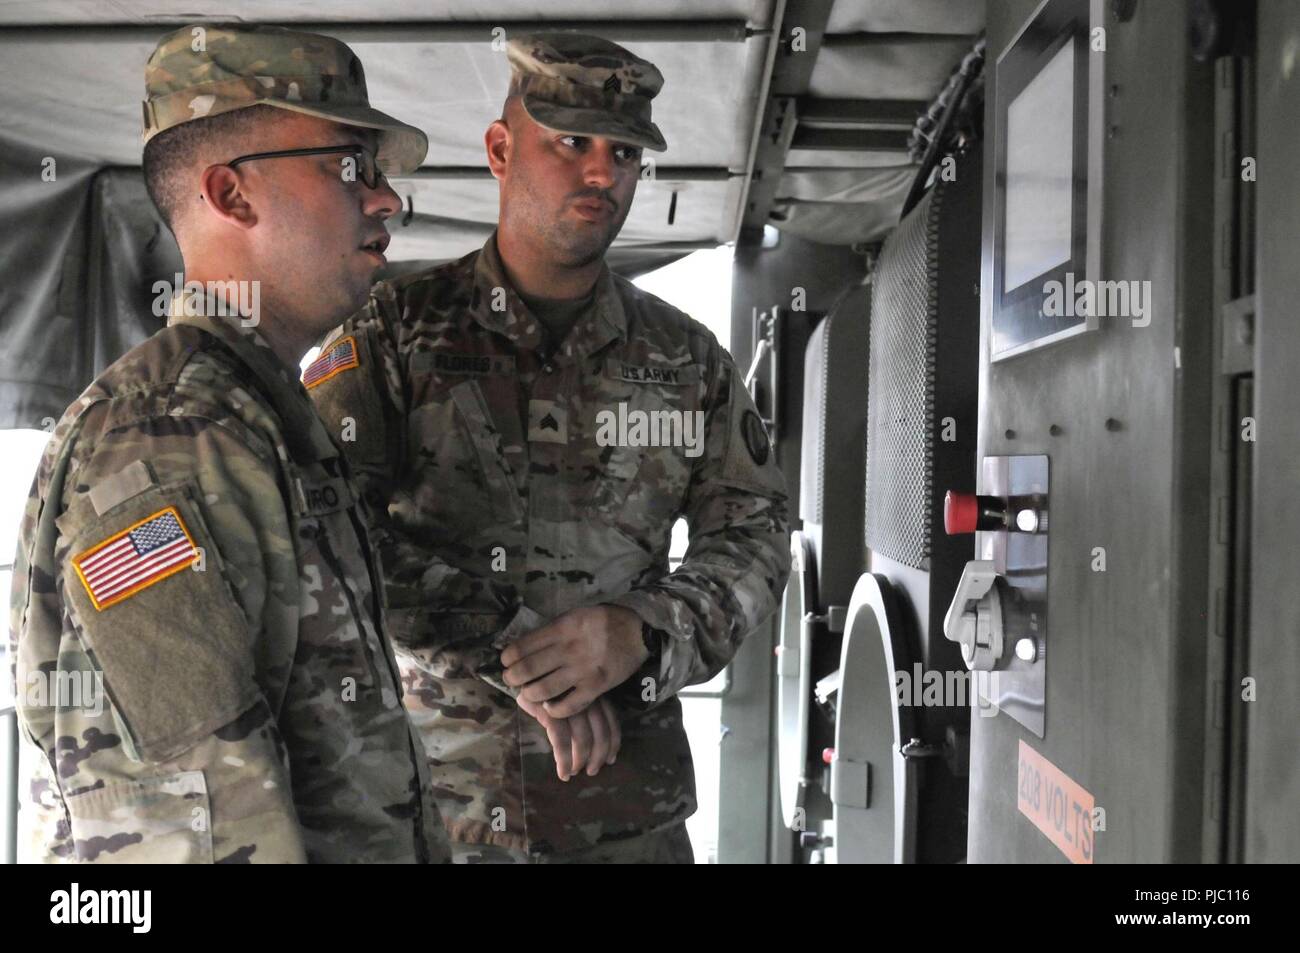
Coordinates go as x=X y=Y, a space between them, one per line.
x=828 y=755
x=961 y=512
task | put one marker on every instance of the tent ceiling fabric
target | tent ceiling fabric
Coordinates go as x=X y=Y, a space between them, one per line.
x=964 y=17
x=842 y=206
x=868 y=67
x=391 y=11
x=452 y=88
x=803 y=159
x=90 y=107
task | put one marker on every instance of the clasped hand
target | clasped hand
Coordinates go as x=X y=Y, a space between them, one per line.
x=564 y=668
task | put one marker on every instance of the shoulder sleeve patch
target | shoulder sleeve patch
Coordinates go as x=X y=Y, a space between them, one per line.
x=148 y=594
x=135 y=558
x=747 y=458
x=335 y=359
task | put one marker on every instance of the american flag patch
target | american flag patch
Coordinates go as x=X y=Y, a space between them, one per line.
x=341 y=356
x=136 y=558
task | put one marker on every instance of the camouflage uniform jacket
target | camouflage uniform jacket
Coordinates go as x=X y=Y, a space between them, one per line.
x=241 y=707
x=499 y=508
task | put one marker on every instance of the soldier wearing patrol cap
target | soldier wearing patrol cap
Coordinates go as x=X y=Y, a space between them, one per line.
x=202 y=669
x=528 y=428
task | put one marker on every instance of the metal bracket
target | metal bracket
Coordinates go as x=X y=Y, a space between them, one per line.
x=850 y=783
x=834 y=618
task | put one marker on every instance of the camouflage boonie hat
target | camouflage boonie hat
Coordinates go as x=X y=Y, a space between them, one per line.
x=207 y=69
x=586 y=86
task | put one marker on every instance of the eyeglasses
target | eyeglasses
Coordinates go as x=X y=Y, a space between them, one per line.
x=366 y=170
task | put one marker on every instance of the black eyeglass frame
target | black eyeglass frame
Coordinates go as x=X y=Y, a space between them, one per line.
x=368 y=158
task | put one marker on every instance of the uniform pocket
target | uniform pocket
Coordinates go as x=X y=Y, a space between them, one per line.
x=148 y=594
x=497 y=480
x=162 y=820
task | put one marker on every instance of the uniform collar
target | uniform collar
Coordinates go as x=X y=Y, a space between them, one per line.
x=604 y=322
x=280 y=384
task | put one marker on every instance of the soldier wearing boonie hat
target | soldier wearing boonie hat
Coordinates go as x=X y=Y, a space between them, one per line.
x=193 y=549
x=525 y=543
x=202 y=71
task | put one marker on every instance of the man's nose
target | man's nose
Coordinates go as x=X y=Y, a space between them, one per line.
x=382 y=200
x=600 y=169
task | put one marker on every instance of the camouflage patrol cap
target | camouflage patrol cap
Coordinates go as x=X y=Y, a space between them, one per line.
x=586 y=86
x=212 y=68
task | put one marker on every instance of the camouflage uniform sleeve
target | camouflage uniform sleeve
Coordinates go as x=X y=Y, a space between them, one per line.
x=178 y=758
x=365 y=410
x=736 y=565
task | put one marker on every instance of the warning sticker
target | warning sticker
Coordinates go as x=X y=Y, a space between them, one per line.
x=1057 y=805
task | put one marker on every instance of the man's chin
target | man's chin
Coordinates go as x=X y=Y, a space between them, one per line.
x=341 y=306
x=581 y=250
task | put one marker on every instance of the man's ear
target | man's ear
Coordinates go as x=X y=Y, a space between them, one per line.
x=498 y=139
x=220 y=189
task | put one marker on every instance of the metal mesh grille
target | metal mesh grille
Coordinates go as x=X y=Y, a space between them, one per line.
x=900 y=403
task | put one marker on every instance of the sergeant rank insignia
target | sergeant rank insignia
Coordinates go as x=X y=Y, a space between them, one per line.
x=339 y=357
x=548 y=422
x=137 y=557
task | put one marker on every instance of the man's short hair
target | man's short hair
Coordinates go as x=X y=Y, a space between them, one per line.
x=512 y=99
x=171 y=157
